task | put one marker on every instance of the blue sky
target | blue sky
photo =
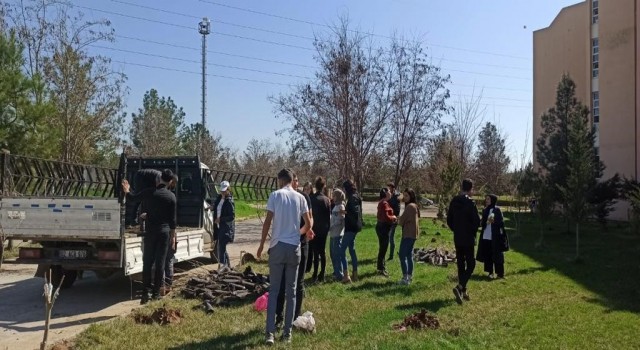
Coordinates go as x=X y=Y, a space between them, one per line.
x=486 y=44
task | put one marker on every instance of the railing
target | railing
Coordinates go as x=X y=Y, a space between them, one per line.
x=27 y=176
x=245 y=187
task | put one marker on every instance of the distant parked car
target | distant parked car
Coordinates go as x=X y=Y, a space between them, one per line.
x=426 y=202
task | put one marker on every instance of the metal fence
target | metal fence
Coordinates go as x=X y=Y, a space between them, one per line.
x=245 y=187
x=27 y=176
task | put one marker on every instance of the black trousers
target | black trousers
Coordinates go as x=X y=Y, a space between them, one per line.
x=156 y=246
x=466 y=263
x=318 y=253
x=304 y=254
x=382 y=230
x=491 y=257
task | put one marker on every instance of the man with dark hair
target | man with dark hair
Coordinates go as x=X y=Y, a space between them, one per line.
x=285 y=207
x=463 y=220
x=168 y=265
x=394 y=202
x=302 y=267
x=160 y=234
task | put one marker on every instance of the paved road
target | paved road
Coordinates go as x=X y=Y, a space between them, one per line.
x=90 y=300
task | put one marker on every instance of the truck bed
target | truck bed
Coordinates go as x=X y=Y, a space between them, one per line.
x=60 y=219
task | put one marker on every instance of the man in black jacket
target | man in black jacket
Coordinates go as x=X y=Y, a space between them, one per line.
x=159 y=236
x=463 y=220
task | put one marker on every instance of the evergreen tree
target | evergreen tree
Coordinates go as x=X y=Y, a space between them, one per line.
x=156 y=128
x=582 y=171
x=552 y=145
x=492 y=162
x=24 y=128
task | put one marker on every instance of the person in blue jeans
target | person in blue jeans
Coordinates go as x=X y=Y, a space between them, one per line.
x=352 y=224
x=394 y=202
x=336 y=231
x=410 y=223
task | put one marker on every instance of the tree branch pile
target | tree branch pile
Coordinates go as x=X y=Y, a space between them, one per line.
x=434 y=256
x=221 y=288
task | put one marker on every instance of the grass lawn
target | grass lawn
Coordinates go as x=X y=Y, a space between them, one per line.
x=246 y=210
x=546 y=302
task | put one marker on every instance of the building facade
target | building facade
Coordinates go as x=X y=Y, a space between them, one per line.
x=598 y=44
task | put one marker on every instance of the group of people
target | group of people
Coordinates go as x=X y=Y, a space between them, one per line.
x=158 y=211
x=158 y=214
x=301 y=221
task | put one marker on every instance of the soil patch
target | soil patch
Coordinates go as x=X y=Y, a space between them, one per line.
x=162 y=316
x=419 y=320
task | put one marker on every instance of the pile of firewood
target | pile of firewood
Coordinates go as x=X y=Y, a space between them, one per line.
x=224 y=286
x=434 y=256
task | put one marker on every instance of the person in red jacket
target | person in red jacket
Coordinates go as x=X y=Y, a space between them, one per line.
x=385 y=220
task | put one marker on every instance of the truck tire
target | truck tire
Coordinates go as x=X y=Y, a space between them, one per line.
x=214 y=253
x=69 y=277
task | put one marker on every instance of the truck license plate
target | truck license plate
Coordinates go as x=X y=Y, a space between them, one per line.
x=72 y=254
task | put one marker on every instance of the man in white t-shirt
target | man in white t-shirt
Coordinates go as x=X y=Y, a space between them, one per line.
x=285 y=207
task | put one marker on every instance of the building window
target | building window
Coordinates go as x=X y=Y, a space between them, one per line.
x=595 y=57
x=595 y=102
x=594 y=11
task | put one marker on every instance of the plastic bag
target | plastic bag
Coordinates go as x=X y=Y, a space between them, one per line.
x=305 y=322
x=262 y=302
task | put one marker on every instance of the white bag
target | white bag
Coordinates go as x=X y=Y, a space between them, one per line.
x=306 y=322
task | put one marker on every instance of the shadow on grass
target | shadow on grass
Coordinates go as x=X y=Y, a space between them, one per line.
x=238 y=341
x=608 y=264
x=430 y=305
x=383 y=288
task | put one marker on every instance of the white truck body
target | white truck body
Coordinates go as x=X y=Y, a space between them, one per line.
x=79 y=220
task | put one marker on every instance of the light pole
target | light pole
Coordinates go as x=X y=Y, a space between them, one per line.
x=204 y=28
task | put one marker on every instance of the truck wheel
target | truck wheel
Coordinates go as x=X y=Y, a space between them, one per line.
x=69 y=276
x=214 y=253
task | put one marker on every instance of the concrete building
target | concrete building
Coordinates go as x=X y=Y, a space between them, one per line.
x=598 y=44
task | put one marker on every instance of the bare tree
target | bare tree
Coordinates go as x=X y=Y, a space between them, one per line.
x=210 y=148
x=258 y=157
x=444 y=170
x=340 y=114
x=418 y=100
x=468 y=116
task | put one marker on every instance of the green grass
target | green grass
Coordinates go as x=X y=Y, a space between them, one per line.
x=246 y=210
x=546 y=302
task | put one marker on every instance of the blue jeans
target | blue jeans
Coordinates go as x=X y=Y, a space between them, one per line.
x=338 y=259
x=223 y=256
x=406 y=255
x=349 y=241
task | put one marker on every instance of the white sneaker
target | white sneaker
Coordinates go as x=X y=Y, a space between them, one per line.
x=404 y=281
x=269 y=339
